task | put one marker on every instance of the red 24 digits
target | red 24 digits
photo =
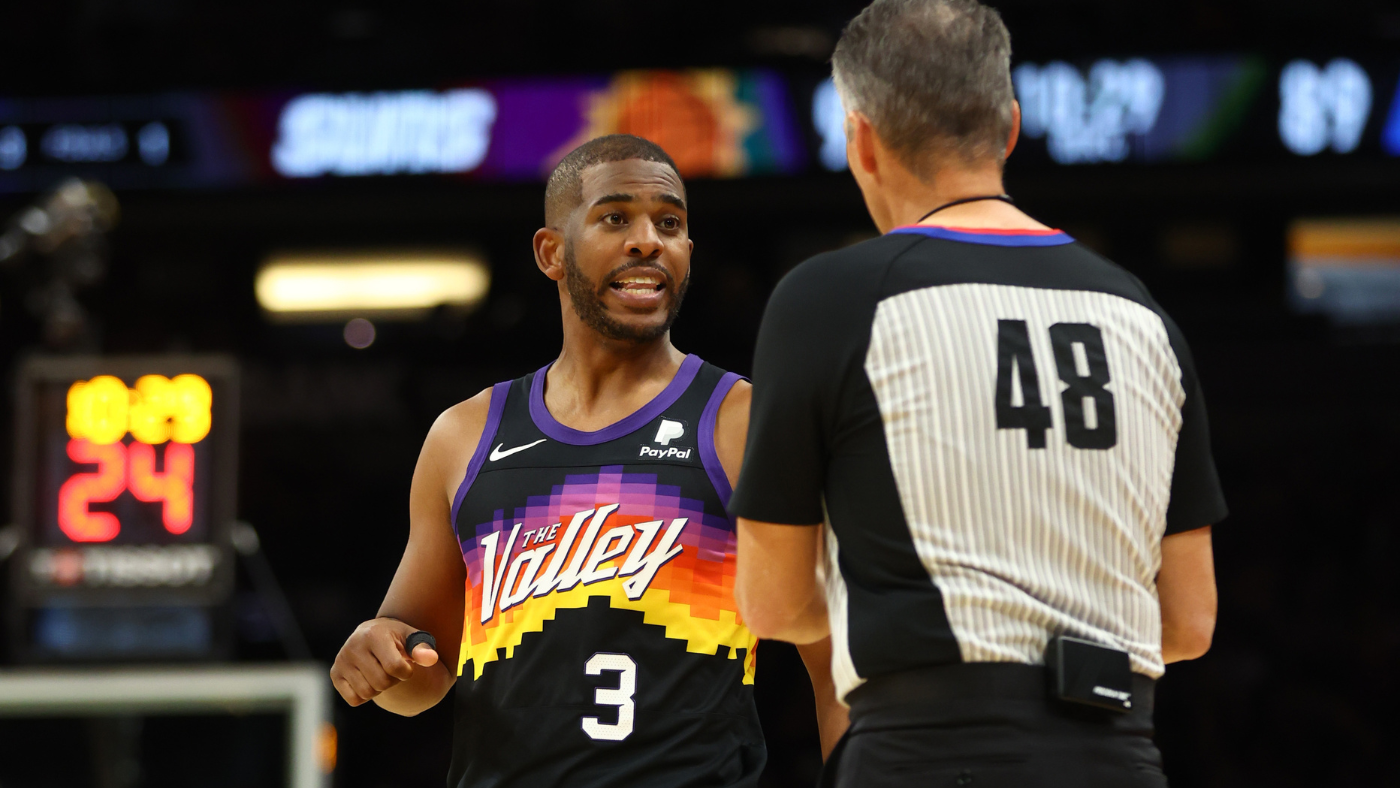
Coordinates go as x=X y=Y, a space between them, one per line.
x=121 y=467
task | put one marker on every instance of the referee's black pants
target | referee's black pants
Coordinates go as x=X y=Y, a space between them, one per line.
x=989 y=725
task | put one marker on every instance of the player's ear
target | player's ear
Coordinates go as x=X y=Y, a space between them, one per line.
x=549 y=252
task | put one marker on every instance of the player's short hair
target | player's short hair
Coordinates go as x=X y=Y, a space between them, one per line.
x=933 y=77
x=564 y=191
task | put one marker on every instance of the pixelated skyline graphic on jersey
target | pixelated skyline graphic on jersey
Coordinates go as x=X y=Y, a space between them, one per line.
x=624 y=536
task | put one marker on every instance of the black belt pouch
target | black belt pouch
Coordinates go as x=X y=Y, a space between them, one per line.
x=1087 y=673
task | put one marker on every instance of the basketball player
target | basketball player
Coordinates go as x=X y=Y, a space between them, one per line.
x=582 y=510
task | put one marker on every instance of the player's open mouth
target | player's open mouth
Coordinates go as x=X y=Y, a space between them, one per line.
x=640 y=287
x=640 y=284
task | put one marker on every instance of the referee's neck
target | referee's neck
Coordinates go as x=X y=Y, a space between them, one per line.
x=899 y=198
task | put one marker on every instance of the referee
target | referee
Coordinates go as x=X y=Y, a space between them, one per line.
x=992 y=444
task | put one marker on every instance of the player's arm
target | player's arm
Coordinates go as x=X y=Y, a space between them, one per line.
x=731 y=434
x=427 y=590
x=1186 y=588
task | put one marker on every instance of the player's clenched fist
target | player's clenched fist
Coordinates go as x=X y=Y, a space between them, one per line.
x=373 y=660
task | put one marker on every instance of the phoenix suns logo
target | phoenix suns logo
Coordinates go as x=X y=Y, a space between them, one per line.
x=574 y=559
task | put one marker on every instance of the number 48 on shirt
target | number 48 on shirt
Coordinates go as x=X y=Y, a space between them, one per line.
x=1082 y=366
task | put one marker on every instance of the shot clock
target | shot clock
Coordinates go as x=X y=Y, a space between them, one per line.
x=124 y=494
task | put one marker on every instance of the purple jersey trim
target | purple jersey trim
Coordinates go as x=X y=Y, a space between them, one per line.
x=668 y=396
x=713 y=467
x=989 y=238
x=483 y=447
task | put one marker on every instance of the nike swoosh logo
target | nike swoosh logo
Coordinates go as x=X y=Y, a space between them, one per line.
x=497 y=454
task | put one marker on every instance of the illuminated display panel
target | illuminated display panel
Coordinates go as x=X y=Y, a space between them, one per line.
x=1346 y=268
x=124 y=493
x=715 y=122
x=124 y=465
x=1164 y=110
x=1323 y=107
x=135 y=141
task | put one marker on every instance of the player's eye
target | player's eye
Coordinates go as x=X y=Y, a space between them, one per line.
x=615 y=219
x=671 y=223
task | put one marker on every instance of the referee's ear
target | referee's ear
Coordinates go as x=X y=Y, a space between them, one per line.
x=1015 y=135
x=861 y=144
x=549 y=252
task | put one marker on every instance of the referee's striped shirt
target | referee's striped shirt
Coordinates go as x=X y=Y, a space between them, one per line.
x=997 y=427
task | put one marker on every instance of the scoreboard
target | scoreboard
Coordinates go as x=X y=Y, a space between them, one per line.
x=1151 y=109
x=125 y=480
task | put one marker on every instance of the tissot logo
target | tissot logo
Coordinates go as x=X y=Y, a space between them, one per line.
x=126 y=566
x=1119 y=695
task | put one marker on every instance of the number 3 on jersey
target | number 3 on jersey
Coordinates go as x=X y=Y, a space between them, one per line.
x=1082 y=365
x=621 y=696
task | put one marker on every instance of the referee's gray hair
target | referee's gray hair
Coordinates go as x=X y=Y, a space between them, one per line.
x=933 y=77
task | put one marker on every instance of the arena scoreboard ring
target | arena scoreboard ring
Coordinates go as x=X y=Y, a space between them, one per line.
x=124 y=490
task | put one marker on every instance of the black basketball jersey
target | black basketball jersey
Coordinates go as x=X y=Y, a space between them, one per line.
x=602 y=645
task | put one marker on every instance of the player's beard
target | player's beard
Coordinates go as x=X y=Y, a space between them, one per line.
x=587 y=298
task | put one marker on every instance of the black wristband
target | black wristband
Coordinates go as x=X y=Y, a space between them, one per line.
x=417 y=638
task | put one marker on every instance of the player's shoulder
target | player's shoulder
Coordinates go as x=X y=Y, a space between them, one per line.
x=738 y=397
x=732 y=423
x=475 y=407
x=712 y=378
x=462 y=424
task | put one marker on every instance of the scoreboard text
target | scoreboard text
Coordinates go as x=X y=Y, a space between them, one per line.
x=157 y=410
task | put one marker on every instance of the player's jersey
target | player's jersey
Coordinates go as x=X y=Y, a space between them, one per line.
x=602 y=645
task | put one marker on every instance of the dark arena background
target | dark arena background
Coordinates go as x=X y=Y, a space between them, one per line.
x=1243 y=159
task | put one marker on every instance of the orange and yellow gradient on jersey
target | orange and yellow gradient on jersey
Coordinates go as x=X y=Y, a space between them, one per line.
x=612 y=534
